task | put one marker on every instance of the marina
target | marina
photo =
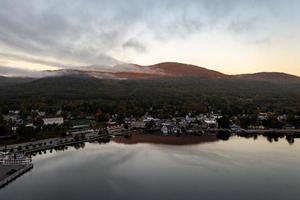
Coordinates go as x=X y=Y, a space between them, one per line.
x=13 y=165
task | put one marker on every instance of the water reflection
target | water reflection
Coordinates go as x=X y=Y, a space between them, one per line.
x=157 y=167
x=272 y=136
x=136 y=138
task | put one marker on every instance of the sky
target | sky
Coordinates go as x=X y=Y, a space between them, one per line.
x=230 y=36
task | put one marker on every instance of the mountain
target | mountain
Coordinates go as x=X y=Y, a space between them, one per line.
x=172 y=69
x=132 y=89
x=158 y=71
x=272 y=77
x=7 y=81
x=133 y=71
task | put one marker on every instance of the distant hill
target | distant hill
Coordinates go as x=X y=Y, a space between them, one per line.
x=157 y=71
x=7 y=81
x=272 y=77
x=172 y=69
x=132 y=71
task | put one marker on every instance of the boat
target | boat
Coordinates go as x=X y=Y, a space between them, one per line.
x=14 y=159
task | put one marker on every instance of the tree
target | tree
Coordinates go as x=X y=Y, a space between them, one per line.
x=224 y=122
x=1 y=119
x=3 y=129
x=26 y=132
x=245 y=122
x=149 y=125
x=38 y=122
x=272 y=122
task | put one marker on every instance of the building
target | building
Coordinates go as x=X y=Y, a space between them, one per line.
x=211 y=123
x=165 y=130
x=262 y=116
x=53 y=120
x=114 y=128
x=137 y=125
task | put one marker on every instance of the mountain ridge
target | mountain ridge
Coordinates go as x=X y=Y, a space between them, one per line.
x=165 y=70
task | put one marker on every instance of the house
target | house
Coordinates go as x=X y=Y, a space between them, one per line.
x=175 y=130
x=149 y=119
x=137 y=124
x=210 y=123
x=235 y=128
x=165 y=130
x=282 y=118
x=114 y=128
x=14 y=112
x=41 y=114
x=262 y=116
x=53 y=120
x=169 y=128
x=190 y=119
x=12 y=116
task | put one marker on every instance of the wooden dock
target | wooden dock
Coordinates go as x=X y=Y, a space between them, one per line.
x=6 y=178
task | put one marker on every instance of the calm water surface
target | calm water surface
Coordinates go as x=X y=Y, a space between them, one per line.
x=235 y=169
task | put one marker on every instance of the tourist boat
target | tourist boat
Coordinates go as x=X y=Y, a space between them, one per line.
x=14 y=159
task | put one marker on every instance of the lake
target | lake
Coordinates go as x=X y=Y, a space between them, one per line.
x=153 y=167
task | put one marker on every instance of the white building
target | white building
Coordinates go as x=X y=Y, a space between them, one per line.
x=53 y=120
x=138 y=124
x=262 y=116
x=165 y=130
x=211 y=123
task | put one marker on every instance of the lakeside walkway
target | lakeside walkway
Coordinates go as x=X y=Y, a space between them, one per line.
x=40 y=145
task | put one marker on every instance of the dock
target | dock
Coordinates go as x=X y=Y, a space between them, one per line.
x=8 y=173
x=40 y=145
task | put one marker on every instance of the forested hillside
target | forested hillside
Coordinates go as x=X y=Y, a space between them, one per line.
x=231 y=96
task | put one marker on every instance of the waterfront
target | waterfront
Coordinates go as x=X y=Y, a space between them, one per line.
x=139 y=168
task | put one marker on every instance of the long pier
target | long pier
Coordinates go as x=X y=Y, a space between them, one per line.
x=41 y=145
x=7 y=178
x=8 y=173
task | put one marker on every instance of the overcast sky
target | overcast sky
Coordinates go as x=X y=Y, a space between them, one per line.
x=231 y=36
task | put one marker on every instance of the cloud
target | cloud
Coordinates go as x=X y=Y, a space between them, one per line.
x=135 y=45
x=13 y=71
x=86 y=32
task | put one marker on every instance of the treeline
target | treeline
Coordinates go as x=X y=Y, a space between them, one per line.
x=165 y=96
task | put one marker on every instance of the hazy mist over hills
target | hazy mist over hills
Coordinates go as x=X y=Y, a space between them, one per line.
x=161 y=70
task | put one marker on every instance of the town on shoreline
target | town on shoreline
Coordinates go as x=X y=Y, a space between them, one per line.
x=38 y=126
x=23 y=136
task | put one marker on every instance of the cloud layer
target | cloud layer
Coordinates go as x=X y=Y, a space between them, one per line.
x=72 y=33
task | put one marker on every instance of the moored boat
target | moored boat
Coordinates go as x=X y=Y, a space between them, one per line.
x=14 y=159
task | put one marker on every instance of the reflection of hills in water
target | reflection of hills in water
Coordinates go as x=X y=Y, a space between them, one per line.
x=166 y=140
